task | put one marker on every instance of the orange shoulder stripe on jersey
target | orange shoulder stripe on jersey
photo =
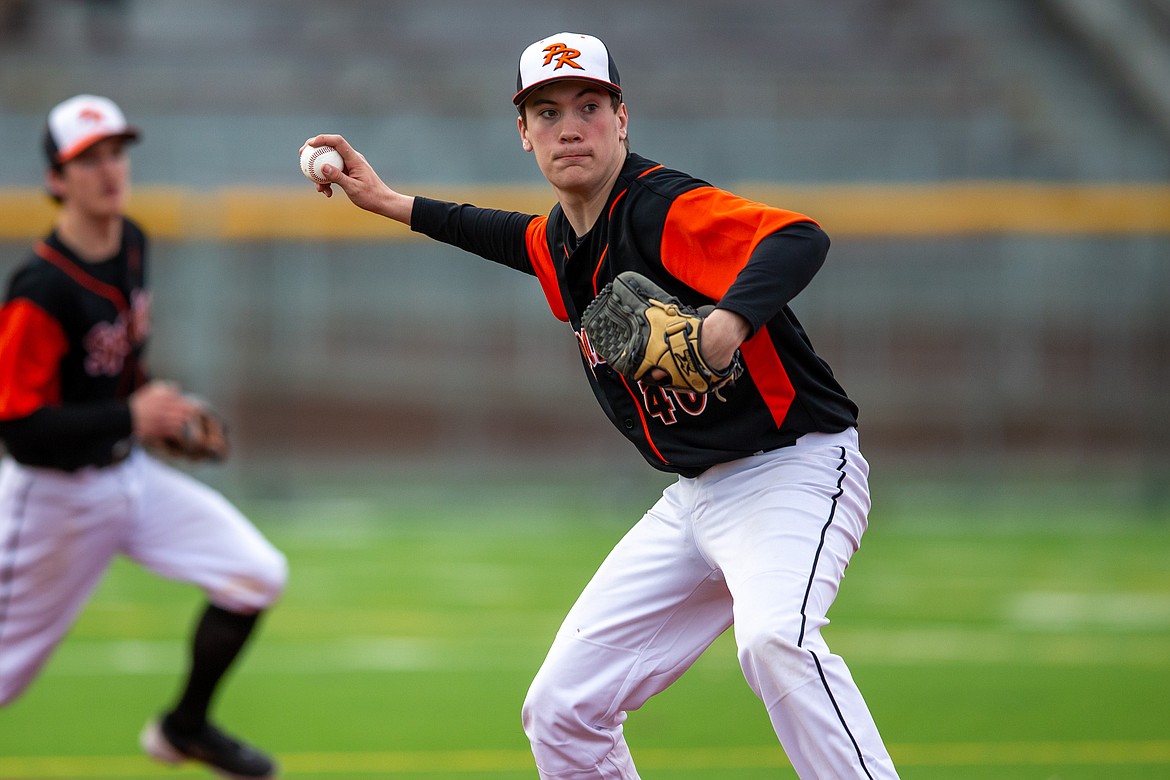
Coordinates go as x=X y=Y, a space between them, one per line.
x=767 y=372
x=612 y=207
x=605 y=251
x=32 y=343
x=536 y=238
x=616 y=201
x=710 y=234
x=597 y=270
x=622 y=194
x=108 y=291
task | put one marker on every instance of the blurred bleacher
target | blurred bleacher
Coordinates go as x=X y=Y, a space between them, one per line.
x=839 y=90
x=988 y=355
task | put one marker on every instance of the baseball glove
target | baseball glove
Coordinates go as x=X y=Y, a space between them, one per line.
x=637 y=326
x=204 y=437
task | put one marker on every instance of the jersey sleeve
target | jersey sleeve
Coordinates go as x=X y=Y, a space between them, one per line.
x=750 y=257
x=511 y=238
x=32 y=344
x=499 y=236
x=779 y=268
x=542 y=264
x=34 y=425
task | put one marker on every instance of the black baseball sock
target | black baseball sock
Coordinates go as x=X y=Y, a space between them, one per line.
x=218 y=639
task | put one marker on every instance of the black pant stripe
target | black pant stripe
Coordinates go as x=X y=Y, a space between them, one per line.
x=840 y=717
x=8 y=562
x=816 y=558
x=804 y=607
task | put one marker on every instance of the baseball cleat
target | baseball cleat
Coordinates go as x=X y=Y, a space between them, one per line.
x=224 y=754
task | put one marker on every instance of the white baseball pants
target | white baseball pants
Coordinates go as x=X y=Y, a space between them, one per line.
x=59 y=532
x=761 y=543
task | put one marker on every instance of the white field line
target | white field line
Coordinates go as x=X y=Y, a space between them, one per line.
x=1155 y=753
x=870 y=646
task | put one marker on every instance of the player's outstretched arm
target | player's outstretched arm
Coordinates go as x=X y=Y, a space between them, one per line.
x=360 y=182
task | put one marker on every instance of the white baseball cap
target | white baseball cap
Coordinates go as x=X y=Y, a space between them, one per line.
x=565 y=56
x=80 y=122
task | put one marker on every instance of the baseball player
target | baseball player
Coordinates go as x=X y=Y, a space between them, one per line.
x=78 y=413
x=772 y=497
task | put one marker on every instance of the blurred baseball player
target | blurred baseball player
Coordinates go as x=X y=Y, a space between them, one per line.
x=772 y=496
x=77 y=410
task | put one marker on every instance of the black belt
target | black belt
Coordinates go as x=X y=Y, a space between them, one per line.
x=117 y=454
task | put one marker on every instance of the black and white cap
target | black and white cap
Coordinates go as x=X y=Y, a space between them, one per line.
x=565 y=56
x=80 y=122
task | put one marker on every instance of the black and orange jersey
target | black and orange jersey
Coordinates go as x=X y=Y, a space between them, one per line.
x=72 y=336
x=706 y=246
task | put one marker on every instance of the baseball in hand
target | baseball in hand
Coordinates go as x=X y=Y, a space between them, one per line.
x=314 y=157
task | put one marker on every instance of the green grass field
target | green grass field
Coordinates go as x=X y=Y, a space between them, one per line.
x=409 y=634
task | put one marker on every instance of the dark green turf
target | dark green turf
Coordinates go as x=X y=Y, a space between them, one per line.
x=407 y=638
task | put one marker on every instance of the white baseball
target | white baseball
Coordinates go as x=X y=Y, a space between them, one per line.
x=313 y=157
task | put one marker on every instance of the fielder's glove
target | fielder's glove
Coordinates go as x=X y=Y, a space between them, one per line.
x=637 y=326
x=204 y=437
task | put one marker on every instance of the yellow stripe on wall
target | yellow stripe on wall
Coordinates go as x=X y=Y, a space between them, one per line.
x=970 y=208
x=904 y=210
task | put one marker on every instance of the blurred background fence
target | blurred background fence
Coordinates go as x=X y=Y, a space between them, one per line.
x=995 y=176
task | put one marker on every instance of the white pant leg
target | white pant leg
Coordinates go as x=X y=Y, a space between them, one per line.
x=58 y=534
x=186 y=531
x=651 y=609
x=782 y=527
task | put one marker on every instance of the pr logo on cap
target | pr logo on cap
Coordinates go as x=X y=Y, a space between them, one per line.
x=91 y=115
x=81 y=121
x=565 y=56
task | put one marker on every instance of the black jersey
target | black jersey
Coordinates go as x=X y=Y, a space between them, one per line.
x=706 y=246
x=72 y=336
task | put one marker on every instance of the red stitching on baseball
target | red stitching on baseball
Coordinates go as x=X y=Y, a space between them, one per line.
x=317 y=152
